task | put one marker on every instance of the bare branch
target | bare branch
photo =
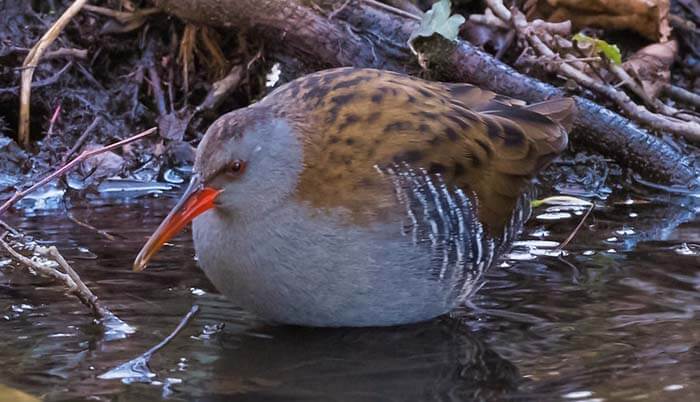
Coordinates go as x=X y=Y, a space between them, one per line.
x=688 y=129
x=682 y=95
x=70 y=279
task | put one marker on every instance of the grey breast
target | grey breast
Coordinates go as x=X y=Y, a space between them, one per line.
x=301 y=267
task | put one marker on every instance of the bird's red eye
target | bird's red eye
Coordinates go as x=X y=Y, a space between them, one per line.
x=237 y=166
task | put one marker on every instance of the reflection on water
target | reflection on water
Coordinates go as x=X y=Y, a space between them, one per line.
x=612 y=318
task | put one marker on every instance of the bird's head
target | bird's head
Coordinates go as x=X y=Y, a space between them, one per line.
x=246 y=163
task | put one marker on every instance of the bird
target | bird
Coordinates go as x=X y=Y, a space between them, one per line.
x=355 y=197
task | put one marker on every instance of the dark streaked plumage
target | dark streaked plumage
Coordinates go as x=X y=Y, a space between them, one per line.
x=368 y=197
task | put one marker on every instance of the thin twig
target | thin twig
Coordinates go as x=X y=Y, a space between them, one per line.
x=571 y=236
x=338 y=10
x=54 y=119
x=86 y=225
x=70 y=278
x=95 y=122
x=36 y=267
x=32 y=59
x=682 y=95
x=225 y=86
x=66 y=52
x=81 y=290
x=183 y=323
x=654 y=102
x=154 y=80
x=18 y=195
x=9 y=228
x=499 y=10
x=139 y=364
x=392 y=9
x=688 y=129
x=122 y=16
x=41 y=83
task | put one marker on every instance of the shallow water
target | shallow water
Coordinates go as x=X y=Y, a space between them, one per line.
x=613 y=318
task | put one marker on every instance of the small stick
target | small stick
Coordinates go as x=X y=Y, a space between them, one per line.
x=8 y=228
x=122 y=16
x=154 y=80
x=41 y=83
x=338 y=10
x=682 y=95
x=41 y=269
x=688 y=129
x=185 y=320
x=654 y=102
x=67 y=52
x=97 y=120
x=576 y=229
x=70 y=278
x=53 y=120
x=32 y=60
x=141 y=362
x=225 y=86
x=89 y=226
x=64 y=52
x=18 y=195
x=392 y=9
x=81 y=290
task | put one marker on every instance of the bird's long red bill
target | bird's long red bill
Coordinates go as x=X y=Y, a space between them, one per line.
x=196 y=200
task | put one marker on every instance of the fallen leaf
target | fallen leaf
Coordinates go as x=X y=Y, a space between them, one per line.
x=172 y=126
x=101 y=166
x=651 y=66
x=647 y=17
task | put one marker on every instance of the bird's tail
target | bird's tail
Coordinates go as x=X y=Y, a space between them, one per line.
x=561 y=110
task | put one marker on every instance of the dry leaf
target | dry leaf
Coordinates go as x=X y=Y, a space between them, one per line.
x=172 y=126
x=101 y=166
x=647 y=17
x=651 y=66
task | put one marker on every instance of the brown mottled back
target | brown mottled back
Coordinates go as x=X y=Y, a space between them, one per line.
x=354 y=120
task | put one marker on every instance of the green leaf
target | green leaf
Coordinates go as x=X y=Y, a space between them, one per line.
x=612 y=52
x=438 y=20
x=560 y=200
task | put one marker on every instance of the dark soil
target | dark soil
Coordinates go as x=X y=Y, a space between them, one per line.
x=115 y=83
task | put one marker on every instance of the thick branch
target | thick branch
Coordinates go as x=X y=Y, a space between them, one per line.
x=286 y=24
x=363 y=34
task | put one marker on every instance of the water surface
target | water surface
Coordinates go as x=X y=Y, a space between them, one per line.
x=614 y=318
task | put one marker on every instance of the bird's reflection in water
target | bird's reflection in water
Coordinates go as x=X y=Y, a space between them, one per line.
x=435 y=361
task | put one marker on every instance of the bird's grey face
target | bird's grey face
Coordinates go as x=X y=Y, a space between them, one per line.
x=244 y=167
x=255 y=166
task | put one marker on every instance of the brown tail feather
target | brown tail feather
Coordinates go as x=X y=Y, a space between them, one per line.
x=561 y=110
